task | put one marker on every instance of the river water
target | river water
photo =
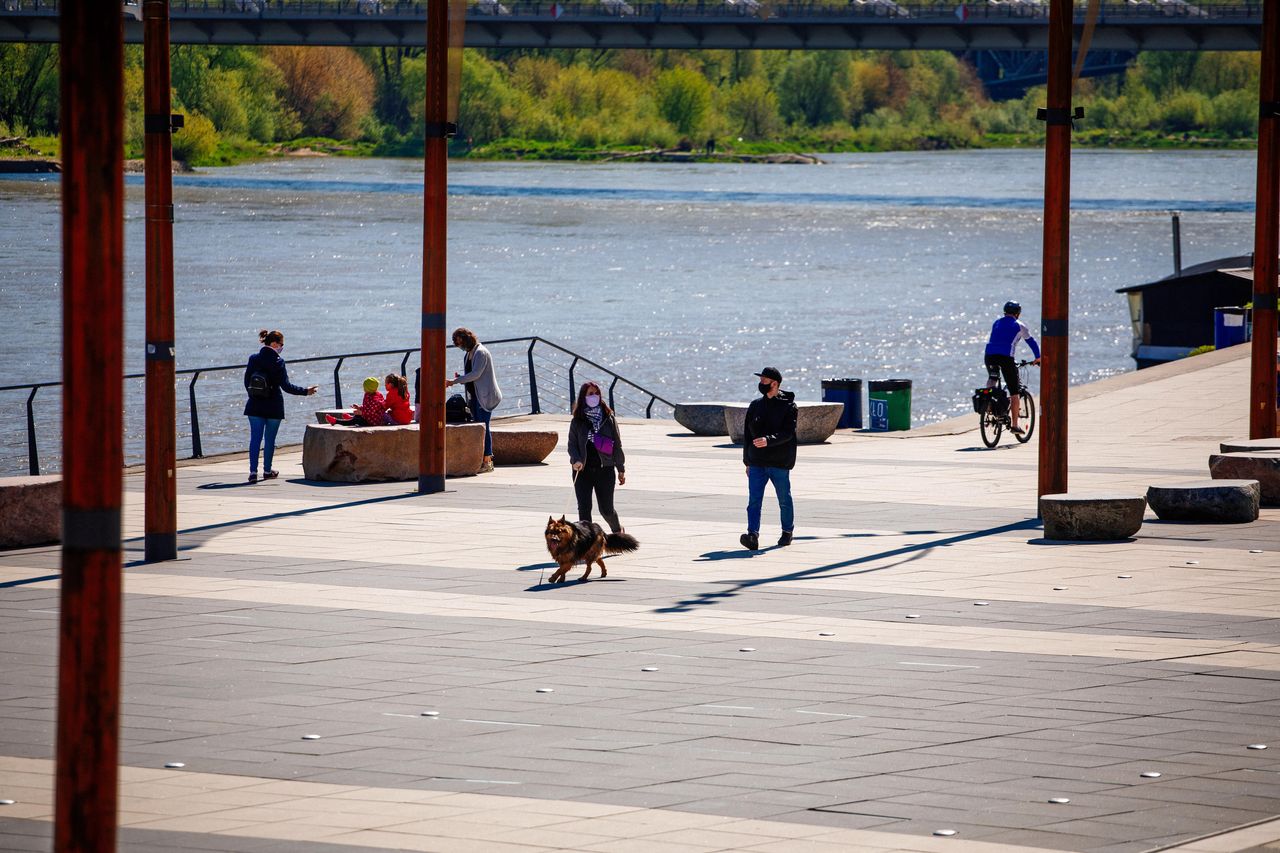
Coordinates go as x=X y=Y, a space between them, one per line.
x=683 y=278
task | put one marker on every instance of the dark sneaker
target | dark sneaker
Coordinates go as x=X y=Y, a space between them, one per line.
x=271 y=475
x=750 y=541
x=253 y=476
x=785 y=539
x=1017 y=430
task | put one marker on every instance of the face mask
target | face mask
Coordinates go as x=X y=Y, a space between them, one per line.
x=593 y=400
x=764 y=387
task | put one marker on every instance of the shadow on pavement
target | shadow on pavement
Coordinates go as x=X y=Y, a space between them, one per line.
x=909 y=553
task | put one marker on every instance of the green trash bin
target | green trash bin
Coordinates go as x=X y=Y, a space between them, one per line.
x=889 y=404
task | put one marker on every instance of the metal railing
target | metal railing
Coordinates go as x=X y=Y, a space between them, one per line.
x=538 y=395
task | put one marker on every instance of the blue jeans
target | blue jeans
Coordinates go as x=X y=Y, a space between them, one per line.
x=258 y=428
x=781 y=479
x=480 y=416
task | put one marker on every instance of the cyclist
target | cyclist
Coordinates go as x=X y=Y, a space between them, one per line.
x=1003 y=343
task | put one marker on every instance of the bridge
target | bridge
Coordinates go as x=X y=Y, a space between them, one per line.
x=992 y=25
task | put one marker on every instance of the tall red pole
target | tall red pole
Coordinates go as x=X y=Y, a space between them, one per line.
x=161 y=450
x=1054 y=283
x=435 y=199
x=1266 y=237
x=92 y=80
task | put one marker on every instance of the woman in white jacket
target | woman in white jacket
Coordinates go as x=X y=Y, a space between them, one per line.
x=483 y=393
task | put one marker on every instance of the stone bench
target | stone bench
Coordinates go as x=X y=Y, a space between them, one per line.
x=702 y=418
x=1263 y=467
x=1210 y=501
x=30 y=511
x=1091 y=517
x=523 y=446
x=1251 y=445
x=815 y=422
x=366 y=454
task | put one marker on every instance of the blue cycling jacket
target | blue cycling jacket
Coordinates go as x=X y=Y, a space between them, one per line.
x=1005 y=334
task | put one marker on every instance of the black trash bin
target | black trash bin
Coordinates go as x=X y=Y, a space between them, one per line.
x=849 y=392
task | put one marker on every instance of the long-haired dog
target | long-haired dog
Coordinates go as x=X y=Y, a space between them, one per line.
x=572 y=542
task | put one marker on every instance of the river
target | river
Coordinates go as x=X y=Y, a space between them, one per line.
x=684 y=278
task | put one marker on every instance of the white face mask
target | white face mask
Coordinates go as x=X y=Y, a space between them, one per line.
x=593 y=400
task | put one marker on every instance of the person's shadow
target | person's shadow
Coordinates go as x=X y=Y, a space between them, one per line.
x=239 y=485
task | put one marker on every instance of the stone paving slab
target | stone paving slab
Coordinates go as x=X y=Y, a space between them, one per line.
x=1029 y=670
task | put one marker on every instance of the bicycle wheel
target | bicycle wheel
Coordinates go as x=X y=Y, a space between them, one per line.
x=989 y=425
x=1028 y=416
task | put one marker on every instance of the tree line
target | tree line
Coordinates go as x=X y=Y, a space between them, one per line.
x=244 y=101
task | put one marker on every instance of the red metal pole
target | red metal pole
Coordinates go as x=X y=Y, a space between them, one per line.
x=435 y=200
x=1054 y=283
x=161 y=450
x=92 y=80
x=1266 y=238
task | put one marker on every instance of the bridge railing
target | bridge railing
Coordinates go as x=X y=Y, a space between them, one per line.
x=537 y=376
x=479 y=10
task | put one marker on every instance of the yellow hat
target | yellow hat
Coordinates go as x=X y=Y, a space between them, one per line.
x=370 y=385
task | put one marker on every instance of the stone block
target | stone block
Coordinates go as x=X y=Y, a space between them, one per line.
x=523 y=446
x=1083 y=516
x=702 y=418
x=815 y=422
x=30 y=511
x=1210 y=501
x=1263 y=467
x=363 y=454
x=1251 y=445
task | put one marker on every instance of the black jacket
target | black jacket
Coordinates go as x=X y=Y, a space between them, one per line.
x=773 y=418
x=580 y=438
x=269 y=363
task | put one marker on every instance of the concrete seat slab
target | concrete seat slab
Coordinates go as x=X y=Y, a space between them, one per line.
x=1263 y=467
x=702 y=418
x=1210 y=501
x=1251 y=445
x=369 y=454
x=523 y=446
x=30 y=511
x=815 y=422
x=1087 y=516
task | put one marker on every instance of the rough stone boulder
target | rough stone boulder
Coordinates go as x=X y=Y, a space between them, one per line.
x=523 y=446
x=1084 y=516
x=30 y=511
x=815 y=422
x=702 y=418
x=1212 y=501
x=1263 y=467
x=1251 y=445
x=363 y=454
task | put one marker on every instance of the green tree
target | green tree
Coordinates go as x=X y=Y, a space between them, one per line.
x=752 y=109
x=684 y=99
x=811 y=90
x=29 y=88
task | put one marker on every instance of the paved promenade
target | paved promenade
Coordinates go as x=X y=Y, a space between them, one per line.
x=356 y=668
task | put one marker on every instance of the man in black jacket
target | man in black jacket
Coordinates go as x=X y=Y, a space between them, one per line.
x=769 y=452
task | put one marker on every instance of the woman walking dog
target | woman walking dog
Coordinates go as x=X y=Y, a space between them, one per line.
x=595 y=454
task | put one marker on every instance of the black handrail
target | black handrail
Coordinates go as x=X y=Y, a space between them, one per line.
x=197 y=448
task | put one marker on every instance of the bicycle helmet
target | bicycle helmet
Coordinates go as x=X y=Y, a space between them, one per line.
x=1014 y=308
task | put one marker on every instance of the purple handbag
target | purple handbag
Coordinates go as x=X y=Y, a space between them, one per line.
x=603 y=444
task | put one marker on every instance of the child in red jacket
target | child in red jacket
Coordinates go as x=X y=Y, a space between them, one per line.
x=398 y=409
x=370 y=412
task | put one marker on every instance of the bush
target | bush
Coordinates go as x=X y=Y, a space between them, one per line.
x=196 y=141
x=1236 y=113
x=1187 y=111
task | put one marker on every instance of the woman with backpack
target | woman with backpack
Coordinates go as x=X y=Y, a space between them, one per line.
x=483 y=393
x=264 y=378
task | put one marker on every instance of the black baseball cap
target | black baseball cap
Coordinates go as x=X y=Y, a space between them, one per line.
x=771 y=373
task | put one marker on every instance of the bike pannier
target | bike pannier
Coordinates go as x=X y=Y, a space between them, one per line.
x=999 y=402
x=981 y=400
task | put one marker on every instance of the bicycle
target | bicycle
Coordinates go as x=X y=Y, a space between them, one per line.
x=992 y=406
